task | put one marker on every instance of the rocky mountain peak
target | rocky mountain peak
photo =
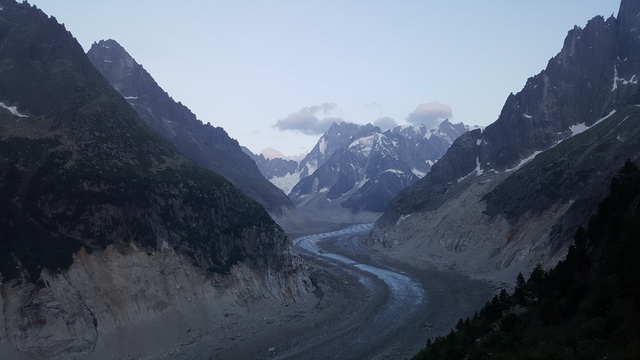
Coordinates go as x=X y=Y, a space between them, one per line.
x=121 y=66
x=337 y=137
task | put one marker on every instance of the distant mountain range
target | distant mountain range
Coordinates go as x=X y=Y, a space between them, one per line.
x=508 y=197
x=360 y=168
x=209 y=146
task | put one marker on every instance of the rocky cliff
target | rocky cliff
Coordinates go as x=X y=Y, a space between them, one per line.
x=209 y=146
x=486 y=206
x=106 y=228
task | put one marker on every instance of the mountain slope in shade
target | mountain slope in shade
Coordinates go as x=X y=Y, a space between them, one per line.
x=107 y=232
x=587 y=307
x=210 y=147
x=373 y=167
x=508 y=211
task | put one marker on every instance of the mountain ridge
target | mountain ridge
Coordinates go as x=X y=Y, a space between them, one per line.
x=209 y=146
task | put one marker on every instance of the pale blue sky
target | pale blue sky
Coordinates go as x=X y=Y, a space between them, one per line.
x=244 y=65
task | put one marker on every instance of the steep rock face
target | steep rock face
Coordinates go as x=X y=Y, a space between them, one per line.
x=368 y=172
x=591 y=76
x=84 y=183
x=594 y=74
x=210 y=147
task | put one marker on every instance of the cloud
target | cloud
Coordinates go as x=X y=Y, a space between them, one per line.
x=430 y=114
x=385 y=123
x=306 y=120
x=271 y=153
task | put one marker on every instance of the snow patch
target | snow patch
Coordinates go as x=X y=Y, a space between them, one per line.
x=616 y=79
x=322 y=145
x=527 y=116
x=623 y=120
x=579 y=128
x=287 y=182
x=361 y=183
x=466 y=176
x=107 y=61
x=478 y=142
x=364 y=144
x=524 y=161
x=312 y=166
x=418 y=173
x=130 y=97
x=394 y=171
x=479 y=170
x=402 y=218
x=13 y=110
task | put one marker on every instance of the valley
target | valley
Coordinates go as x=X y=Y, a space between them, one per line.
x=365 y=307
x=132 y=229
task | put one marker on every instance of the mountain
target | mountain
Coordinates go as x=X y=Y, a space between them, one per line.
x=209 y=146
x=281 y=172
x=372 y=166
x=508 y=197
x=586 y=307
x=109 y=235
x=337 y=137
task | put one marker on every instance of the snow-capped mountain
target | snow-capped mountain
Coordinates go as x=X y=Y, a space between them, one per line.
x=371 y=167
x=285 y=176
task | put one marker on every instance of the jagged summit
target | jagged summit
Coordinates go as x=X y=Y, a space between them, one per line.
x=210 y=147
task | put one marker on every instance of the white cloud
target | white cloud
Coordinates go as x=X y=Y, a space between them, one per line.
x=385 y=123
x=306 y=120
x=271 y=153
x=430 y=114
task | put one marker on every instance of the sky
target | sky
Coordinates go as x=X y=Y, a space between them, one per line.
x=276 y=74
